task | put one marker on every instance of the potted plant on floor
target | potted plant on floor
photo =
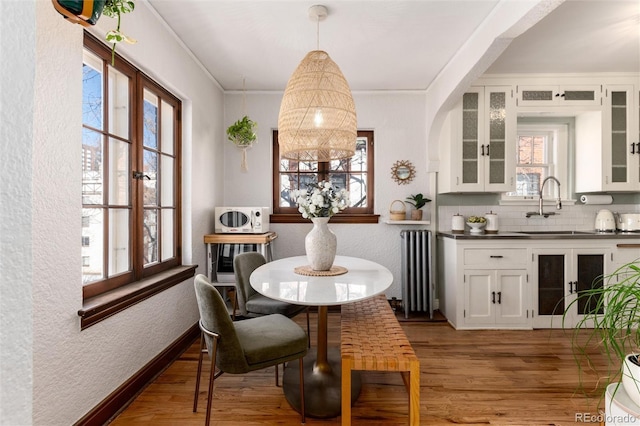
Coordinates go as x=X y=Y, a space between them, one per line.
x=418 y=201
x=612 y=325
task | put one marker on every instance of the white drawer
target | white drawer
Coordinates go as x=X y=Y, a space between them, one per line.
x=626 y=252
x=495 y=258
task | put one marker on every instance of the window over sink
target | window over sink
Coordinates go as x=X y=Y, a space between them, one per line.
x=542 y=149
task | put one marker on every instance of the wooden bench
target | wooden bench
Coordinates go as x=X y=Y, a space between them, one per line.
x=372 y=340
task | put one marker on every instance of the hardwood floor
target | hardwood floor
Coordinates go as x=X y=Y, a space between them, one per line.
x=467 y=377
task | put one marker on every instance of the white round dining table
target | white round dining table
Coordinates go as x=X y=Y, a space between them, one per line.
x=322 y=372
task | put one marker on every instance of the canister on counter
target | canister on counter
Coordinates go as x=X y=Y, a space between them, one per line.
x=492 y=223
x=457 y=224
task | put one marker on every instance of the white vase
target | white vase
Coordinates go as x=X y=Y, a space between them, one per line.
x=320 y=245
x=631 y=379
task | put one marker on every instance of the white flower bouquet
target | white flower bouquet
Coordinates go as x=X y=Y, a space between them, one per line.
x=321 y=200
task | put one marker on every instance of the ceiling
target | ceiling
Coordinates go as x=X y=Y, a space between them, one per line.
x=393 y=45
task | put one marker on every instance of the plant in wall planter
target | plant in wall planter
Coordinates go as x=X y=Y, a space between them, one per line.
x=83 y=12
x=612 y=323
x=243 y=135
x=418 y=201
x=87 y=12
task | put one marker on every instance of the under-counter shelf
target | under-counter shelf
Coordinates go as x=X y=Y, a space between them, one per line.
x=407 y=222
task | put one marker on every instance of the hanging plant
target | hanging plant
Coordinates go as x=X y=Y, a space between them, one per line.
x=114 y=9
x=242 y=132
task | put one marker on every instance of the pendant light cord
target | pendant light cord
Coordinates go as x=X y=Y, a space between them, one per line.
x=318 y=33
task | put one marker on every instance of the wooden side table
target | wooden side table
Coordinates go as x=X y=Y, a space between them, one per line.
x=263 y=242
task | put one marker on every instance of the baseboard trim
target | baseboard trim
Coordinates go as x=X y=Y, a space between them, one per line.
x=126 y=393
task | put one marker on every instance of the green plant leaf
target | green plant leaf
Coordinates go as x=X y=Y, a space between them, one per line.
x=612 y=325
x=242 y=132
x=114 y=9
x=418 y=200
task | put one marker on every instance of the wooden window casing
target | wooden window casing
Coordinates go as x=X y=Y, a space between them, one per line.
x=131 y=185
x=352 y=177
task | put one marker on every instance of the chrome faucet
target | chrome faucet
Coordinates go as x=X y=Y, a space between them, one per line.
x=540 y=211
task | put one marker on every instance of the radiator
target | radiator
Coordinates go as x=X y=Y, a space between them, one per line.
x=417 y=293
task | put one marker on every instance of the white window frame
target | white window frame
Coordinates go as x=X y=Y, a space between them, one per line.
x=559 y=165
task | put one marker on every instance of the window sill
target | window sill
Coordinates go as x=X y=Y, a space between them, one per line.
x=339 y=218
x=103 y=306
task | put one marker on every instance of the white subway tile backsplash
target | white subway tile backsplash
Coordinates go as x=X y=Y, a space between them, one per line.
x=577 y=217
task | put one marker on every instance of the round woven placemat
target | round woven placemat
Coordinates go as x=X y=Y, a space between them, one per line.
x=307 y=270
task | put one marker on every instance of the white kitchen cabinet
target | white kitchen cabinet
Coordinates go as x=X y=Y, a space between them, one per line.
x=485 y=286
x=495 y=297
x=566 y=95
x=516 y=283
x=559 y=275
x=608 y=154
x=480 y=145
x=623 y=254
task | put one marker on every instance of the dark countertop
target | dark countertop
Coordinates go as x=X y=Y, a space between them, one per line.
x=543 y=235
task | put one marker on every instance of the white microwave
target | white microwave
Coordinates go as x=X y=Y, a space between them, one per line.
x=242 y=220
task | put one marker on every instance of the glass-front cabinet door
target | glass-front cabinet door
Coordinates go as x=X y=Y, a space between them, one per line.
x=487 y=140
x=564 y=95
x=550 y=280
x=589 y=270
x=560 y=275
x=472 y=130
x=620 y=141
x=500 y=138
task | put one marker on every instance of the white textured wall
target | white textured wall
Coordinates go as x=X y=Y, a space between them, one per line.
x=53 y=373
x=16 y=179
x=398 y=122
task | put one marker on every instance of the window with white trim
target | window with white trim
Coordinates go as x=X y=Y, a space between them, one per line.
x=541 y=151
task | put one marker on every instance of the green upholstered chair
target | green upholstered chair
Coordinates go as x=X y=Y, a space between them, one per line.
x=243 y=346
x=252 y=304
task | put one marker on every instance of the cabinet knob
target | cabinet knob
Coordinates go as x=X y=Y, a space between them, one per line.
x=499 y=297
x=493 y=297
x=496 y=256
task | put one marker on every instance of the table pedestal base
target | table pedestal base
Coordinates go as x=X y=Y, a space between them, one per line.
x=322 y=386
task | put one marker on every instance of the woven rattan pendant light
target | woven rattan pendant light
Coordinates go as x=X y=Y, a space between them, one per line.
x=317 y=120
